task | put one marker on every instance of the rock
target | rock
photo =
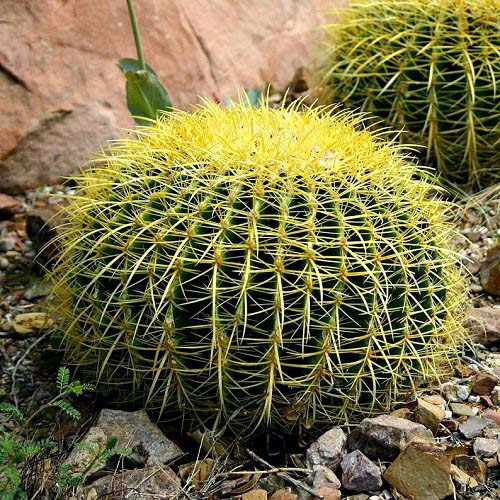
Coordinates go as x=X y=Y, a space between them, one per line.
x=495 y=396
x=137 y=484
x=492 y=415
x=472 y=466
x=57 y=145
x=227 y=48
x=328 y=493
x=483 y=383
x=490 y=271
x=91 y=447
x=402 y=413
x=451 y=424
x=4 y=263
x=463 y=479
x=8 y=205
x=484 y=447
x=7 y=244
x=429 y=414
x=360 y=473
x=30 y=323
x=283 y=495
x=384 y=437
x=323 y=476
x=434 y=399
x=476 y=288
x=327 y=450
x=136 y=432
x=483 y=324
x=455 y=392
x=463 y=410
x=421 y=472
x=473 y=427
x=254 y=495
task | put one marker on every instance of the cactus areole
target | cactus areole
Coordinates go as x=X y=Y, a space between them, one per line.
x=250 y=266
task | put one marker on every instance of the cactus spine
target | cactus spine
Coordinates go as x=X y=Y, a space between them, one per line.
x=258 y=266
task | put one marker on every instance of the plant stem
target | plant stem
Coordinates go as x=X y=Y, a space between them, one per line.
x=137 y=35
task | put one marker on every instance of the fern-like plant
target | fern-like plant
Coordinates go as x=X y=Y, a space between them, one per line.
x=429 y=67
x=249 y=265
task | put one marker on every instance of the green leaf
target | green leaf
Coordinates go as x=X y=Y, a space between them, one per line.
x=146 y=95
x=68 y=408
x=63 y=378
x=12 y=411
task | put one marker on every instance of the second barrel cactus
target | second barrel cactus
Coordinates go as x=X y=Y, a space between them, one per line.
x=428 y=67
x=254 y=266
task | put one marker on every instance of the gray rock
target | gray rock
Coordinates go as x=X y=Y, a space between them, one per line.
x=85 y=458
x=7 y=244
x=473 y=427
x=136 y=432
x=4 y=263
x=323 y=476
x=484 y=447
x=327 y=450
x=455 y=393
x=384 y=437
x=463 y=410
x=137 y=484
x=359 y=473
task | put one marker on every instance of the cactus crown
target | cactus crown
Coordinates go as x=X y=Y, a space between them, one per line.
x=430 y=67
x=255 y=265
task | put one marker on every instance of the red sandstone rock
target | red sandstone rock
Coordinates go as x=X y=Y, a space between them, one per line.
x=58 y=62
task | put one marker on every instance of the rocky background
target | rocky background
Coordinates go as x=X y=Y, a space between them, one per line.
x=62 y=94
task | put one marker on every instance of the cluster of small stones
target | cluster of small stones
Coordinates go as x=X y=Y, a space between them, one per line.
x=444 y=442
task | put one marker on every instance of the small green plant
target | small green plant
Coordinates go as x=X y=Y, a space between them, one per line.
x=430 y=68
x=16 y=448
x=280 y=264
x=146 y=95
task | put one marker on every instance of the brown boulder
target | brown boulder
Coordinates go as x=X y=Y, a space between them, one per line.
x=58 y=65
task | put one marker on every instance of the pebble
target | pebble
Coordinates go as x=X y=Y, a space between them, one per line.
x=484 y=447
x=4 y=263
x=464 y=410
x=472 y=466
x=328 y=493
x=7 y=244
x=359 y=473
x=475 y=288
x=384 y=437
x=323 y=476
x=484 y=383
x=473 y=427
x=492 y=415
x=421 y=472
x=429 y=414
x=257 y=494
x=283 y=495
x=455 y=393
x=328 y=449
x=495 y=395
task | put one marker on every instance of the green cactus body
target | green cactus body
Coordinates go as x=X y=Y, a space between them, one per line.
x=428 y=67
x=257 y=266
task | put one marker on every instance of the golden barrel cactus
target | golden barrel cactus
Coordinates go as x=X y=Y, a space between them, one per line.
x=428 y=67
x=253 y=266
